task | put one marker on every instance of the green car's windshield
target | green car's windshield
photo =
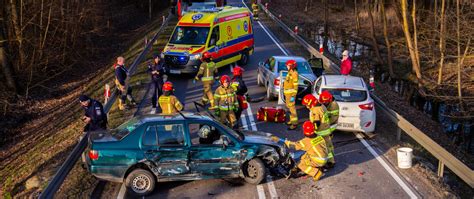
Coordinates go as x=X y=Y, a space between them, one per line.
x=190 y=35
x=124 y=129
x=301 y=67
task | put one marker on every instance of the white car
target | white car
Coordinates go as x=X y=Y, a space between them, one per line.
x=356 y=107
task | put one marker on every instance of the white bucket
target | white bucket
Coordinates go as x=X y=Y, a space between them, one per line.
x=404 y=156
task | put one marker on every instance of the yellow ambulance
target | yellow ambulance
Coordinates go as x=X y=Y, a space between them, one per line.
x=225 y=32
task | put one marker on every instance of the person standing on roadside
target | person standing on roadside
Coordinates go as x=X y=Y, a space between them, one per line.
x=156 y=70
x=95 y=116
x=240 y=89
x=121 y=81
x=346 y=63
x=207 y=74
x=290 y=89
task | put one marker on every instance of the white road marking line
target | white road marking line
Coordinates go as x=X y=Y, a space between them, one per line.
x=261 y=192
x=243 y=119
x=387 y=167
x=266 y=31
x=252 y=122
x=273 y=39
x=121 y=192
x=271 y=188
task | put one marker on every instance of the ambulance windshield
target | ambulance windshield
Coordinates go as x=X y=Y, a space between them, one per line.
x=190 y=35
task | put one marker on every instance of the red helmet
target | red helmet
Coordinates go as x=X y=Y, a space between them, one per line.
x=291 y=63
x=238 y=71
x=309 y=100
x=206 y=55
x=325 y=97
x=225 y=78
x=167 y=86
x=308 y=128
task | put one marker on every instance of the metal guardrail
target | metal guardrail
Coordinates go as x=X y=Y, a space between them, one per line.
x=76 y=153
x=443 y=156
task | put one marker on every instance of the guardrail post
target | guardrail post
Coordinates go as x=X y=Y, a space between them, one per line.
x=440 y=168
x=399 y=134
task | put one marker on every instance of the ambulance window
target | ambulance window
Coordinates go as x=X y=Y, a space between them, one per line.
x=214 y=36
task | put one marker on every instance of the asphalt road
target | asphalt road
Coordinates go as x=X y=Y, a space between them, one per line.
x=360 y=171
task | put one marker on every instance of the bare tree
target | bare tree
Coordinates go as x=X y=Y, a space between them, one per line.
x=387 y=41
x=442 y=44
x=410 y=42
x=373 y=37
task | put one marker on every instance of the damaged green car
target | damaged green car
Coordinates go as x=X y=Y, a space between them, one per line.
x=187 y=146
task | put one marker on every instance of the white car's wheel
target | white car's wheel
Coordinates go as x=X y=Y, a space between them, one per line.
x=270 y=96
x=259 y=79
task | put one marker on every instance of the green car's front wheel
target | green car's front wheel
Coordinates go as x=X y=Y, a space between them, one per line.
x=254 y=171
x=140 y=182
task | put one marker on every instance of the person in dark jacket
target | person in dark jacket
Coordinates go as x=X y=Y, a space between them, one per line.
x=156 y=70
x=240 y=88
x=121 y=81
x=94 y=117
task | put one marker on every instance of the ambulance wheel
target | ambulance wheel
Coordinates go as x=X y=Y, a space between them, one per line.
x=254 y=171
x=244 y=59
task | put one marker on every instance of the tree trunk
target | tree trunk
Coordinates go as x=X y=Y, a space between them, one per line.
x=326 y=31
x=5 y=62
x=356 y=12
x=149 y=9
x=408 y=37
x=387 y=41
x=18 y=33
x=459 y=52
x=442 y=44
x=415 y=36
x=373 y=38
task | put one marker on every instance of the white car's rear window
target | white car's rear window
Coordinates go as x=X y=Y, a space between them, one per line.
x=348 y=95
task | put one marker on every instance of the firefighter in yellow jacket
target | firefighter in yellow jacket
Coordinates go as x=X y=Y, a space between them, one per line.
x=327 y=100
x=255 y=9
x=169 y=104
x=290 y=89
x=319 y=116
x=207 y=72
x=316 y=151
x=226 y=102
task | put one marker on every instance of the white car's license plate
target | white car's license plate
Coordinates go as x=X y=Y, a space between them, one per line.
x=175 y=71
x=346 y=125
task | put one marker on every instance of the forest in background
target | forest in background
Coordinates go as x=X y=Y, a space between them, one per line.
x=424 y=48
x=48 y=46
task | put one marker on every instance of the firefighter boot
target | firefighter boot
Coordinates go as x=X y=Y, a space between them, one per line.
x=318 y=175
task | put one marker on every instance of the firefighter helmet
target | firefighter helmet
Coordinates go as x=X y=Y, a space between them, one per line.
x=224 y=78
x=308 y=128
x=238 y=71
x=291 y=63
x=325 y=97
x=206 y=55
x=309 y=100
x=167 y=86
